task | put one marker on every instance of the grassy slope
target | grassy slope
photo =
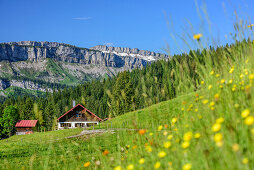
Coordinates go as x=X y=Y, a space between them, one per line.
x=207 y=130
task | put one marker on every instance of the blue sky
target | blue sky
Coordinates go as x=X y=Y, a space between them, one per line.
x=127 y=23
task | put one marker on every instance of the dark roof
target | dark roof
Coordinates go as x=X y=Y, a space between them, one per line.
x=79 y=105
x=26 y=123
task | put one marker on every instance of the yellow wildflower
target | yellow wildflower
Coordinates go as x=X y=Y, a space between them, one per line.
x=142 y=131
x=235 y=147
x=245 y=113
x=174 y=120
x=202 y=82
x=142 y=161
x=118 y=168
x=134 y=147
x=130 y=167
x=165 y=133
x=220 y=120
x=241 y=76
x=162 y=154
x=219 y=144
x=222 y=81
x=185 y=144
x=209 y=87
x=151 y=134
x=245 y=160
x=167 y=144
x=205 y=101
x=211 y=104
x=218 y=137
x=187 y=166
x=149 y=149
x=231 y=70
x=87 y=164
x=187 y=136
x=251 y=76
x=197 y=36
x=170 y=137
x=252 y=131
x=197 y=135
x=160 y=128
x=217 y=75
x=157 y=165
x=216 y=96
x=250 y=26
x=249 y=120
x=216 y=127
x=212 y=72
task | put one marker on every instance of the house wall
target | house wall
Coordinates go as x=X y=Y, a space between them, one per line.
x=24 y=130
x=73 y=124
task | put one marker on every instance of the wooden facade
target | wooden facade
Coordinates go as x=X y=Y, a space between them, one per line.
x=24 y=127
x=78 y=116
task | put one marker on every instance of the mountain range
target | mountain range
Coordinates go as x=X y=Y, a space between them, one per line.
x=40 y=66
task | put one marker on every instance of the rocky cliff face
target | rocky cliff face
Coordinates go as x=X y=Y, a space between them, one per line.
x=64 y=64
x=99 y=55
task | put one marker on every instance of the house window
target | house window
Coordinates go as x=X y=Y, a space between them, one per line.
x=78 y=115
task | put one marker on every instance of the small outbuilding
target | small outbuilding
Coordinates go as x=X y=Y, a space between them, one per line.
x=78 y=116
x=25 y=127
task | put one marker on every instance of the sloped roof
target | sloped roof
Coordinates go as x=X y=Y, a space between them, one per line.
x=26 y=123
x=79 y=105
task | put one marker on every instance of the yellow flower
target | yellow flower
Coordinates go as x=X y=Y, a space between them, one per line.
x=212 y=72
x=157 y=165
x=134 y=147
x=251 y=76
x=220 y=120
x=241 y=76
x=245 y=113
x=162 y=154
x=252 y=131
x=230 y=81
x=170 y=137
x=216 y=127
x=197 y=135
x=167 y=144
x=165 y=133
x=197 y=36
x=231 y=70
x=216 y=96
x=141 y=161
x=211 y=104
x=118 y=168
x=222 y=81
x=160 y=128
x=187 y=136
x=205 y=101
x=187 y=166
x=219 y=144
x=174 y=120
x=250 y=26
x=202 y=82
x=130 y=167
x=245 y=161
x=209 y=87
x=249 y=120
x=200 y=116
x=185 y=144
x=218 y=137
x=151 y=134
x=235 y=147
x=149 y=149
x=87 y=164
x=217 y=75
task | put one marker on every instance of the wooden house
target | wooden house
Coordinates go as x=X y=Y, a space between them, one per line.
x=25 y=127
x=78 y=116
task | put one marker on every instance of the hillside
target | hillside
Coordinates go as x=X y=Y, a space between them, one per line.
x=34 y=65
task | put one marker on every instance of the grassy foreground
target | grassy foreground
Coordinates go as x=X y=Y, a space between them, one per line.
x=212 y=128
